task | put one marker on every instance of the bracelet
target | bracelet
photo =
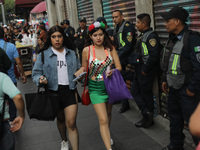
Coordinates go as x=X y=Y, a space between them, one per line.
x=83 y=68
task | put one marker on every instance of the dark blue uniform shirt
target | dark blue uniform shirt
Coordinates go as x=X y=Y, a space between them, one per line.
x=193 y=54
x=154 y=48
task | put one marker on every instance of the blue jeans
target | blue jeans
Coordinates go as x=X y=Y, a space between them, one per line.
x=180 y=108
x=8 y=141
x=12 y=108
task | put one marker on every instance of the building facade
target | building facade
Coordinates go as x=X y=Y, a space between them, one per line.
x=92 y=9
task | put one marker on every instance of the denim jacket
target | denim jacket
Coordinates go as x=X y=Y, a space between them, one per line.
x=49 y=68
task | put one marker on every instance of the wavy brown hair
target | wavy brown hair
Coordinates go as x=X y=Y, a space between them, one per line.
x=66 y=41
x=107 y=43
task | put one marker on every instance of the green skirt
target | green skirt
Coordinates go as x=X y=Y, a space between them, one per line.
x=97 y=91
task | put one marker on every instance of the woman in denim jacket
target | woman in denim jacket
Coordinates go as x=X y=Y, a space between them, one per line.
x=56 y=69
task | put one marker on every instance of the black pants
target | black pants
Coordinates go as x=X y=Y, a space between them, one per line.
x=180 y=108
x=80 y=50
x=141 y=91
x=124 y=73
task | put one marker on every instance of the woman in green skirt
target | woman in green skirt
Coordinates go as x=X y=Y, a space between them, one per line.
x=102 y=56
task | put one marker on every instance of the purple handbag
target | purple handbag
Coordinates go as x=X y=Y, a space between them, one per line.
x=116 y=87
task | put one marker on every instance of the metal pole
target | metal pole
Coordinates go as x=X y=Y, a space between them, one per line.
x=3 y=13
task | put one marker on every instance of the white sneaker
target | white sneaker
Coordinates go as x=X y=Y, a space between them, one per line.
x=112 y=142
x=64 y=145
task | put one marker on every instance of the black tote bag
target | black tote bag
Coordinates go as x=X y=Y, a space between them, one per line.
x=43 y=105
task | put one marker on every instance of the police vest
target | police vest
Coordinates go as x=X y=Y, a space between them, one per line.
x=175 y=76
x=109 y=29
x=144 y=50
x=118 y=36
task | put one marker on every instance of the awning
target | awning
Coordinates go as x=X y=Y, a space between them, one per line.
x=39 y=7
x=19 y=2
x=26 y=3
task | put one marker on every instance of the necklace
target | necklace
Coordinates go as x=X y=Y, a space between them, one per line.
x=94 y=56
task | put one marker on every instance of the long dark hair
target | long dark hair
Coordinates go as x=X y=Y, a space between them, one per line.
x=107 y=43
x=66 y=41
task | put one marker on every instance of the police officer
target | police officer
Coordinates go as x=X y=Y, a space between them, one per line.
x=146 y=57
x=124 y=35
x=61 y=24
x=80 y=36
x=181 y=73
x=69 y=31
x=108 y=29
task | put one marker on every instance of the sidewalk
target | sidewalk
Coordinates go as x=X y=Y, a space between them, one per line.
x=41 y=135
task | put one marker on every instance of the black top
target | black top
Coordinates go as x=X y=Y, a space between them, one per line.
x=128 y=36
x=154 y=48
x=70 y=33
x=80 y=40
x=193 y=54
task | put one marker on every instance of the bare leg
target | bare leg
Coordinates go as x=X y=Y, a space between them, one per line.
x=61 y=125
x=70 y=120
x=103 y=123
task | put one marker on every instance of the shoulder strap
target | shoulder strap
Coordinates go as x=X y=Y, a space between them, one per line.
x=122 y=27
x=186 y=38
x=87 y=68
x=42 y=56
x=145 y=36
x=5 y=46
x=18 y=36
x=108 y=29
x=3 y=111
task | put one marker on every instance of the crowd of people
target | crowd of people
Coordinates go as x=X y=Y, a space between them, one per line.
x=103 y=49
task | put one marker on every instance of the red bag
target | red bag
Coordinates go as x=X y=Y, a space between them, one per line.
x=85 y=95
x=16 y=72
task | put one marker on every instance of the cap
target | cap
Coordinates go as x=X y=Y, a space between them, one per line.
x=61 y=23
x=66 y=22
x=83 y=19
x=101 y=19
x=176 y=12
x=5 y=26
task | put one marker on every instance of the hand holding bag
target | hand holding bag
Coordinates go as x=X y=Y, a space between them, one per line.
x=43 y=105
x=85 y=95
x=116 y=87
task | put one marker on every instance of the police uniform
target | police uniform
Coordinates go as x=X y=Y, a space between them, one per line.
x=181 y=71
x=80 y=40
x=181 y=76
x=70 y=33
x=147 y=53
x=124 y=37
x=110 y=31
